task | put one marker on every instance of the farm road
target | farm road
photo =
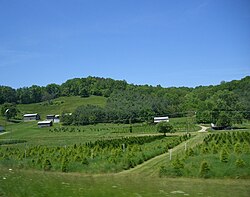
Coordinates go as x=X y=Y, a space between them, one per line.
x=4 y=133
x=203 y=129
x=152 y=166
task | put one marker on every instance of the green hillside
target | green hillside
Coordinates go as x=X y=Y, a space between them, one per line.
x=59 y=105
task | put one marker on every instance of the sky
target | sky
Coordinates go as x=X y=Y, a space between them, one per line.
x=166 y=42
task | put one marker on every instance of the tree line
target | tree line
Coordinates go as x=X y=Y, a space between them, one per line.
x=74 y=87
x=222 y=104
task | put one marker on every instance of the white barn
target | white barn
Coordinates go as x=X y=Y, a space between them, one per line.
x=160 y=119
x=31 y=117
x=45 y=123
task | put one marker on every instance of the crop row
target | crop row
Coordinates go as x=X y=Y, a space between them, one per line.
x=217 y=153
x=100 y=156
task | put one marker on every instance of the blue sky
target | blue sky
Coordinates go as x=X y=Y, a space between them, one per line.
x=166 y=42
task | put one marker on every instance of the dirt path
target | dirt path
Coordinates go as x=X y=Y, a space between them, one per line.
x=4 y=133
x=152 y=166
x=203 y=129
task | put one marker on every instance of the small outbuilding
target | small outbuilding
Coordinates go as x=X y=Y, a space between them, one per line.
x=45 y=123
x=57 y=119
x=161 y=119
x=50 y=117
x=31 y=117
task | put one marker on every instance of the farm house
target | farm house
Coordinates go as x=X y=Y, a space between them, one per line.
x=160 y=119
x=45 y=123
x=31 y=117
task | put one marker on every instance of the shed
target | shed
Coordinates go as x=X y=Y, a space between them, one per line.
x=45 y=123
x=160 y=119
x=30 y=117
x=50 y=117
x=57 y=119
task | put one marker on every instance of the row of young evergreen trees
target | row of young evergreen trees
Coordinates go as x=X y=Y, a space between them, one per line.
x=229 y=147
x=102 y=155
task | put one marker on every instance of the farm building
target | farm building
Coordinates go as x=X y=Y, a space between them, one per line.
x=57 y=119
x=160 y=119
x=54 y=118
x=50 y=117
x=45 y=123
x=30 y=117
x=214 y=127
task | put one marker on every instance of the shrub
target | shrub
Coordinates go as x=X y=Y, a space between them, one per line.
x=190 y=152
x=64 y=166
x=85 y=161
x=204 y=170
x=224 y=156
x=178 y=165
x=237 y=148
x=205 y=149
x=240 y=163
x=77 y=158
x=165 y=127
x=47 y=165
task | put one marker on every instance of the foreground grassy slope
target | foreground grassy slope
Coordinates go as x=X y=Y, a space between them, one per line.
x=59 y=105
x=37 y=183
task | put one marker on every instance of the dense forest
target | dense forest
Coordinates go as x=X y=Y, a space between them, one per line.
x=222 y=104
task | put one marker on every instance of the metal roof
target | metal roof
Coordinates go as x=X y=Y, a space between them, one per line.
x=45 y=122
x=27 y=115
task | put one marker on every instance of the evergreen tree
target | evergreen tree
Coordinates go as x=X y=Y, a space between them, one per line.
x=204 y=170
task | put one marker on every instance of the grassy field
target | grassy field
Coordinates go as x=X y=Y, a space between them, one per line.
x=52 y=136
x=22 y=183
x=59 y=105
x=142 y=180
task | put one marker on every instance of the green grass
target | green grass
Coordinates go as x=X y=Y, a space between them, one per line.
x=44 y=136
x=59 y=105
x=142 y=180
x=29 y=131
x=210 y=151
x=184 y=124
x=22 y=183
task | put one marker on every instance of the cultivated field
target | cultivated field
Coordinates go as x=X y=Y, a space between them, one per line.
x=110 y=160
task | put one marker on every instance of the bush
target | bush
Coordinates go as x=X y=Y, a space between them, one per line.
x=47 y=165
x=64 y=166
x=240 y=163
x=85 y=161
x=178 y=165
x=165 y=127
x=204 y=170
x=224 y=156
x=237 y=148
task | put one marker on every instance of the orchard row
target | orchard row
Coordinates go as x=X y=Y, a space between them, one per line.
x=93 y=157
x=220 y=155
